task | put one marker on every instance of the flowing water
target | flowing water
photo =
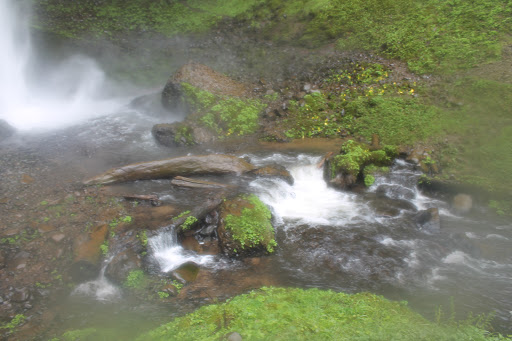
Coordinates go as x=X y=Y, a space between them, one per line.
x=327 y=238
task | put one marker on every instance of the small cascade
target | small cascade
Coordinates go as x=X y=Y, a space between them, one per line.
x=309 y=200
x=400 y=184
x=101 y=289
x=169 y=254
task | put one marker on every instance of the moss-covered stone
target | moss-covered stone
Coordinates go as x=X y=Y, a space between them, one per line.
x=245 y=227
x=356 y=164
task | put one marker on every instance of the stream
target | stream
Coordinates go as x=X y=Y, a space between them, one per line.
x=78 y=124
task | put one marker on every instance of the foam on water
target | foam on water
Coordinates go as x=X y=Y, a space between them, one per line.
x=169 y=255
x=309 y=200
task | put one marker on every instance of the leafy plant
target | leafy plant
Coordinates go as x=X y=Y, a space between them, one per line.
x=18 y=320
x=136 y=279
x=191 y=220
x=252 y=226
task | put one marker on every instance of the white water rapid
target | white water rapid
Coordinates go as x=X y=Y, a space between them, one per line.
x=69 y=93
x=309 y=200
x=169 y=254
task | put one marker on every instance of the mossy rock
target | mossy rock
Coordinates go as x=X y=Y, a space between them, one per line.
x=356 y=165
x=245 y=227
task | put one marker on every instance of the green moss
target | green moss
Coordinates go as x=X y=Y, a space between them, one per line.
x=106 y=18
x=224 y=115
x=297 y=314
x=136 y=279
x=187 y=224
x=356 y=159
x=432 y=35
x=184 y=135
x=17 y=320
x=252 y=226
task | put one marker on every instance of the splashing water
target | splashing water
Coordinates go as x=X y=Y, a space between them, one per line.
x=71 y=93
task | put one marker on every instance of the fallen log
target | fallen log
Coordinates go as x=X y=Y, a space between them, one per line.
x=214 y=164
x=182 y=181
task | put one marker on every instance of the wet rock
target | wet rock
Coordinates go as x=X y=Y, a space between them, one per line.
x=462 y=203
x=19 y=261
x=215 y=164
x=274 y=171
x=204 y=78
x=187 y=272
x=82 y=271
x=58 y=237
x=156 y=217
x=121 y=265
x=6 y=130
x=182 y=134
x=87 y=253
x=190 y=243
x=172 y=97
x=428 y=219
x=150 y=104
x=27 y=179
x=233 y=336
x=20 y=295
x=388 y=207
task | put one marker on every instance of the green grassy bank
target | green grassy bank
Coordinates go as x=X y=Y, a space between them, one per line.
x=297 y=314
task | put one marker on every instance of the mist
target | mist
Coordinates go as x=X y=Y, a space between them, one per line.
x=41 y=96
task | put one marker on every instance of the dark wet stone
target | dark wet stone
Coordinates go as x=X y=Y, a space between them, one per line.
x=6 y=130
x=428 y=219
x=83 y=271
x=121 y=265
x=20 y=295
x=187 y=272
x=274 y=171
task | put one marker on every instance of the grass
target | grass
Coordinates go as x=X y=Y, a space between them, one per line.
x=296 y=314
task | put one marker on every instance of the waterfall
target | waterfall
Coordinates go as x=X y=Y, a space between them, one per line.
x=70 y=93
x=169 y=254
x=100 y=288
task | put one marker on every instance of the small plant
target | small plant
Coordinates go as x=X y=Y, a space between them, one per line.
x=143 y=237
x=191 y=220
x=104 y=247
x=163 y=294
x=126 y=219
x=136 y=279
x=252 y=227
x=14 y=323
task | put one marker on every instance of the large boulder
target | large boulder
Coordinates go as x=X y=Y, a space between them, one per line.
x=214 y=164
x=87 y=254
x=182 y=134
x=202 y=77
x=428 y=219
x=122 y=264
x=6 y=130
x=245 y=227
x=274 y=171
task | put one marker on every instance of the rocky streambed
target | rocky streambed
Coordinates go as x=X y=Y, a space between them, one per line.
x=147 y=240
